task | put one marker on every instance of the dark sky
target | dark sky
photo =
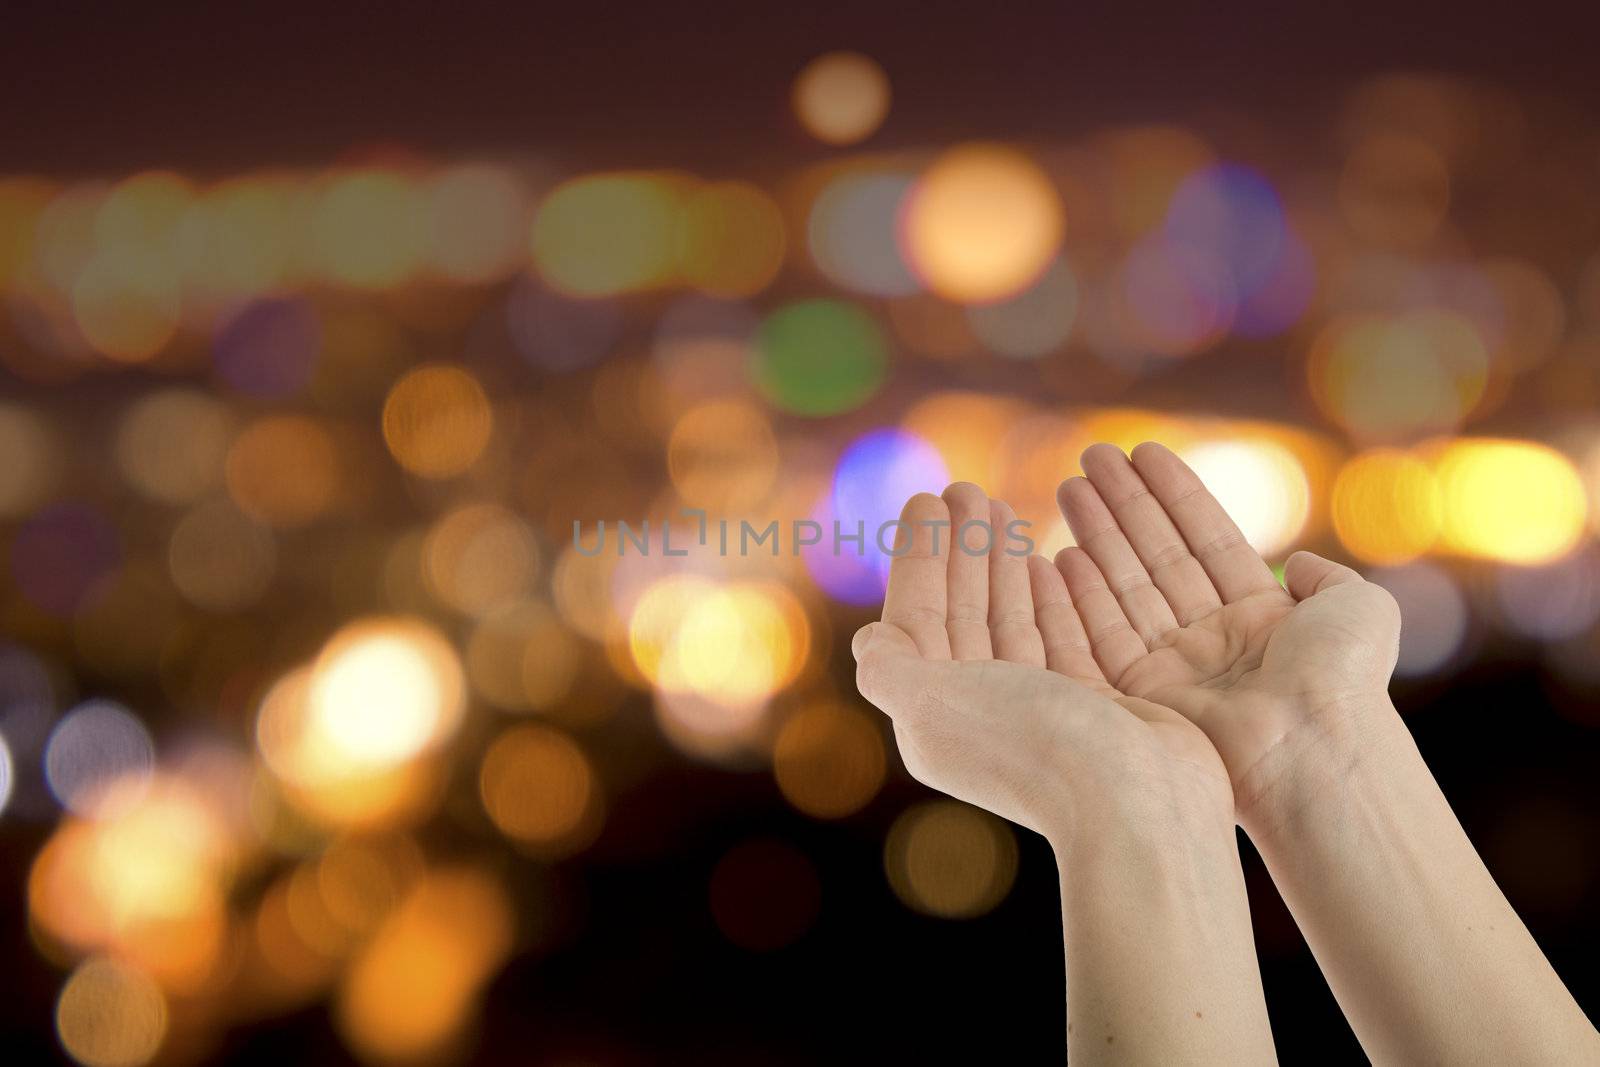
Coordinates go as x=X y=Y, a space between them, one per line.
x=86 y=89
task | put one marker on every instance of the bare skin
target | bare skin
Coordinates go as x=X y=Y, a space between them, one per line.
x=997 y=698
x=1426 y=957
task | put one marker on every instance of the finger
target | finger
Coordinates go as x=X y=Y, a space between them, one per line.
x=1066 y=645
x=1307 y=574
x=967 y=568
x=1012 y=629
x=890 y=670
x=1156 y=541
x=1097 y=532
x=1235 y=568
x=915 y=599
x=1112 y=638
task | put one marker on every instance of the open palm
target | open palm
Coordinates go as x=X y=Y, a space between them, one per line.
x=985 y=667
x=1181 y=611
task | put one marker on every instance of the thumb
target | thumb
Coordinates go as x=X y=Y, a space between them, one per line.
x=1307 y=574
x=889 y=672
x=882 y=639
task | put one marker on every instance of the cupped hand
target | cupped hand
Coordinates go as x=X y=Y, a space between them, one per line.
x=1181 y=611
x=985 y=668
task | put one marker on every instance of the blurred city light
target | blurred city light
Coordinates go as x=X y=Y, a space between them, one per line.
x=311 y=696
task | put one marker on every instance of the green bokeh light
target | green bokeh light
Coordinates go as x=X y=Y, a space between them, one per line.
x=819 y=357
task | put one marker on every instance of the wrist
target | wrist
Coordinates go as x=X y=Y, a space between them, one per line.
x=1154 y=819
x=1323 y=749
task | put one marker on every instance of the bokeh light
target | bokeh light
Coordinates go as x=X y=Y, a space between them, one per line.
x=829 y=760
x=283 y=470
x=819 y=357
x=1388 y=377
x=478 y=557
x=982 y=223
x=31 y=460
x=723 y=456
x=1517 y=501
x=269 y=348
x=733 y=241
x=734 y=644
x=854 y=233
x=540 y=790
x=62 y=554
x=1261 y=484
x=111 y=1015
x=841 y=97
x=369 y=229
x=1035 y=322
x=99 y=752
x=875 y=475
x=384 y=691
x=315 y=720
x=1434 y=616
x=413 y=988
x=950 y=860
x=171 y=443
x=1386 y=506
x=436 y=421
x=479 y=213
x=1554 y=602
x=610 y=234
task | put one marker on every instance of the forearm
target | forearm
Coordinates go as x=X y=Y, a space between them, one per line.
x=1161 y=968
x=1426 y=957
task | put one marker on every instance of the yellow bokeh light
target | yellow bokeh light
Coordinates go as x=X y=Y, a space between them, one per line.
x=370 y=229
x=841 y=97
x=110 y=1014
x=723 y=456
x=982 y=223
x=949 y=859
x=733 y=239
x=1261 y=484
x=1386 y=507
x=829 y=760
x=540 y=790
x=147 y=882
x=412 y=989
x=735 y=644
x=606 y=234
x=1386 y=377
x=1515 y=501
x=385 y=690
x=437 y=421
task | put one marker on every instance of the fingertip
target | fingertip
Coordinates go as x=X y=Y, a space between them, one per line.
x=924 y=506
x=1075 y=484
x=863 y=640
x=1145 y=451
x=965 y=495
x=1099 y=455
